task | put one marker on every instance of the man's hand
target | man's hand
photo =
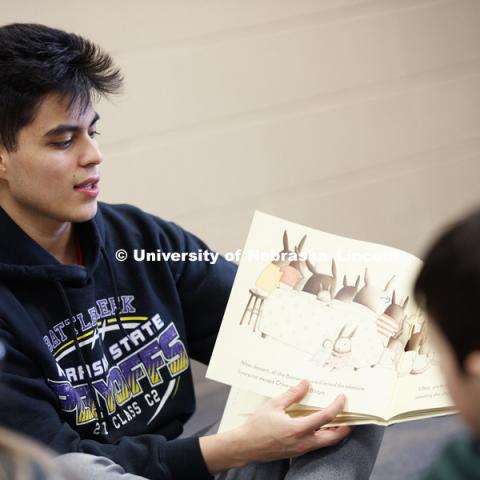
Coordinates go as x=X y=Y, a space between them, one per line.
x=271 y=434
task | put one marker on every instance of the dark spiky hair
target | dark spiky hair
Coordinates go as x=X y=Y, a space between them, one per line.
x=448 y=285
x=36 y=60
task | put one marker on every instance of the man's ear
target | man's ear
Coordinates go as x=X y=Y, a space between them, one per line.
x=472 y=364
x=3 y=162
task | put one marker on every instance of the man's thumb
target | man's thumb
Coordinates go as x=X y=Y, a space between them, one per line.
x=292 y=395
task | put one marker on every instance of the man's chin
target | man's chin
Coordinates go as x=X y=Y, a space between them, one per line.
x=85 y=214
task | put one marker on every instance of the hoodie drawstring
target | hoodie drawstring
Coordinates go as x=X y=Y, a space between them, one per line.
x=117 y=299
x=74 y=336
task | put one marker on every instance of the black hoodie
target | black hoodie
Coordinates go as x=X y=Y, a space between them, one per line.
x=98 y=355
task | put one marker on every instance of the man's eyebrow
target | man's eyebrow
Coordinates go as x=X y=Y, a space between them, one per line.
x=66 y=128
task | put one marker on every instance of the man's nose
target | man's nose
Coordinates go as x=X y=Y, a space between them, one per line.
x=91 y=153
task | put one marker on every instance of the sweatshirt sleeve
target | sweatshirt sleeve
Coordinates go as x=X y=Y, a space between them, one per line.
x=204 y=288
x=28 y=406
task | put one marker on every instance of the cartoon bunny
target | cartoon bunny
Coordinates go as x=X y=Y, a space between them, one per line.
x=369 y=295
x=417 y=349
x=320 y=282
x=417 y=340
x=347 y=292
x=390 y=325
x=409 y=326
x=269 y=278
x=302 y=266
x=283 y=255
x=292 y=273
x=341 y=350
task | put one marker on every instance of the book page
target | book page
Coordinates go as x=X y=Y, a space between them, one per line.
x=420 y=384
x=240 y=405
x=422 y=414
x=308 y=304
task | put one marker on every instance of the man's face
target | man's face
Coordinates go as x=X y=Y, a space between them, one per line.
x=52 y=176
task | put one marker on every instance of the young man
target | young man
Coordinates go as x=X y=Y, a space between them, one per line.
x=98 y=345
x=449 y=287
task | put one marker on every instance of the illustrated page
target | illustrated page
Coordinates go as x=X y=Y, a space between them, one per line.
x=308 y=304
x=420 y=385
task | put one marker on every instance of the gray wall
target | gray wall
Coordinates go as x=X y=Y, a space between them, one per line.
x=357 y=117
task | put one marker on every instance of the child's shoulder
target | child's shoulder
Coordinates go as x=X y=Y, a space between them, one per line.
x=459 y=460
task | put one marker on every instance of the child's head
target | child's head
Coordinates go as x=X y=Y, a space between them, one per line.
x=448 y=286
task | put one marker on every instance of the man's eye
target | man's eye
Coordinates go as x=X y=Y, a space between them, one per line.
x=94 y=134
x=63 y=145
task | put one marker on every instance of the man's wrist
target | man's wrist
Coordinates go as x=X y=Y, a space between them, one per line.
x=224 y=450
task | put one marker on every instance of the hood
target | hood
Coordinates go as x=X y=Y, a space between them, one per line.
x=21 y=258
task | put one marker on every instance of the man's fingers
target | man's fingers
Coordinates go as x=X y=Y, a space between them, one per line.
x=328 y=437
x=322 y=417
x=292 y=395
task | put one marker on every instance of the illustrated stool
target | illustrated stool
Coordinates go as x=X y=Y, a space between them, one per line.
x=253 y=308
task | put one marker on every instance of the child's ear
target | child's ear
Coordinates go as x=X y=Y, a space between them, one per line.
x=472 y=364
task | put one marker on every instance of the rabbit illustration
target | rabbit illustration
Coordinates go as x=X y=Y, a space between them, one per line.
x=269 y=278
x=283 y=255
x=369 y=295
x=417 y=340
x=397 y=311
x=298 y=250
x=390 y=322
x=341 y=350
x=321 y=281
x=347 y=292
x=409 y=326
x=391 y=325
x=292 y=273
x=301 y=266
x=306 y=274
x=325 y=294
x=417 y=347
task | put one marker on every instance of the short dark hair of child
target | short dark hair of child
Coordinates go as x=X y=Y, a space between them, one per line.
x=36 y=60
x=448 y=285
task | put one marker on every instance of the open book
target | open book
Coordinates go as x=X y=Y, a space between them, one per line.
x=336 y=311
